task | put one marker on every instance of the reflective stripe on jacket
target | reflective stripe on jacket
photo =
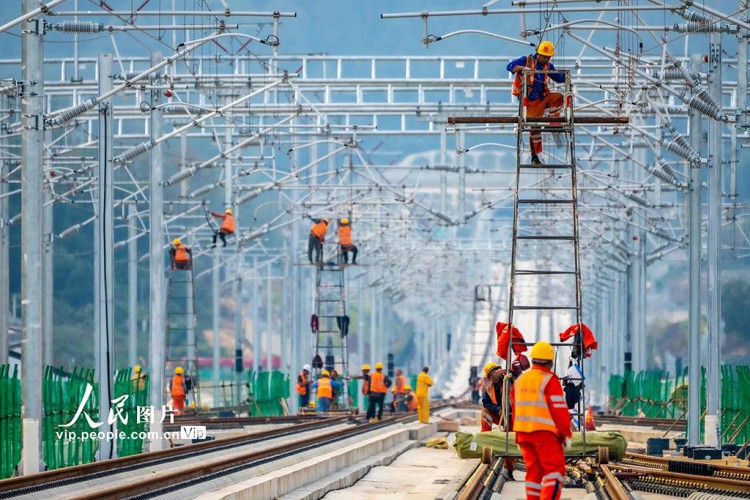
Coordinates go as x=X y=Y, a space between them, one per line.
x=324 y=388
x=319 y=230
x=377 y=383
x=423 y=384
x=532 y=412
x=345 y=235
x=302 y=384
x=518 y=83
x=181 y=254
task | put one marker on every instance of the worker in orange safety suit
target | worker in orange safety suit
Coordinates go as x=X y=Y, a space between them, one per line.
x=378 y=390
x=345 y=242
x=542 y=425
x=178 y=390
x=180 y=255
x=492 y=408
x=227 y=226
x=399 y=404
x=410 y=399
x=538 y=98
x=303 y=386
x=424 y=382
x=316 y=239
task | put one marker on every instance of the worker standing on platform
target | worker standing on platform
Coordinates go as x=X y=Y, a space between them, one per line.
x=492 y=407
x=538 y=98
x=378 y=389
x=345 y=242
x=181 y=256
x=303 y=386
x=178 y=390
x=542 y=425
x=315 y=242
x=424 y=382
x=227 y=226
x=399 y=404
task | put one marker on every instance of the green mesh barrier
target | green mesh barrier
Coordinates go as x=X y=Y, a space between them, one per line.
x=136 y=388
x=11 y=440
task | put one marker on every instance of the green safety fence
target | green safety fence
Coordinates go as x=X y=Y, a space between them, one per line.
x=656 y=394
x=11 y=440
x=62 y=395
x=268 y=393
x=133 y=424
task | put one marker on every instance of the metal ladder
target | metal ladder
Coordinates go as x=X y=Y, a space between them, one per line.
x=485 y=312
x=180 y=349
x=330 y=308
x=545 y=221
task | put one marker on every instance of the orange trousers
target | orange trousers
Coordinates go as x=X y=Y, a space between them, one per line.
x=179 y=404
x=489 y=418
x=545 y=464
x=552 y=104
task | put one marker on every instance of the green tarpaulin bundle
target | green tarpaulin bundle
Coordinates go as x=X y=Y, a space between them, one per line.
x=470 y=445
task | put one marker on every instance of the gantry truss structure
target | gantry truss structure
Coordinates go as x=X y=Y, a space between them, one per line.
x=117 y=115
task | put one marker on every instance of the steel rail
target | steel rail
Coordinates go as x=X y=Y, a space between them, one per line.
x=689 y=481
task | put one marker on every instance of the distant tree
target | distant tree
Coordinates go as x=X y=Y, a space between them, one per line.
x=735 y=308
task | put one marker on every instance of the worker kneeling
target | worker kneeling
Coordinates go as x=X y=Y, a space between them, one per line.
x=492 y=408
x=542 y=425
x=325 y=390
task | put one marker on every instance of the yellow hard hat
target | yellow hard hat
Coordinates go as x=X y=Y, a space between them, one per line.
x=378 y=366
x=407 y=387
x=228 y=211
x=546 y=48
x=136 y=368
x=345 y=221
x=325 y=373
x=365 y=368
x=178 y=370
x=489 y=367
x=176 y=242
x=542 y=351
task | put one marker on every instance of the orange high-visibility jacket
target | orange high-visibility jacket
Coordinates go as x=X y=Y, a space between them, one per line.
x=589 y=341
x=398 y=386
x=366 y=385
x=302 y=384
x=181 y=254
x=377 y=383
x=503 y=339
x=319 y=230
x=345 y=235
x=518 y=83
x=178 y=386
x=324 y=388
x=227 y=222
x=539 y=404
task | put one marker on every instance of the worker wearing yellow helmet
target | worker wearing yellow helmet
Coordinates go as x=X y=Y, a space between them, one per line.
x=345 y=242
x=492 y=407
x=541 y=423
x=138 y=379
x=178 y=390
x=325 y=389
x=226 y=228
x=378 y=390
x=180 y=256
x=538 y=98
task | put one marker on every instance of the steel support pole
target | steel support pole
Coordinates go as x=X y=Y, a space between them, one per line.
x=360 y=337
x=4 y=250
x=48 y=280
x=156 y=265
x=694 y=259
x=713 y=372
x=461 y=138
x=238 y=334
x=443 y=174
x=132 y=287
x=269 y=319
x=216 y=326
x=255 y=317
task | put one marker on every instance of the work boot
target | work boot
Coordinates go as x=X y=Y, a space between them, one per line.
x=535 y=160
x=508 y=475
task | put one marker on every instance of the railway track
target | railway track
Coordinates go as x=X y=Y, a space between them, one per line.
x=656 y=423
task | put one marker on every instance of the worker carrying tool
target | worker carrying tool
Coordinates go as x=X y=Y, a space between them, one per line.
x=424 y=382
x=379 y=383
x=345 y=242
x=492 y=408
x=542 y=425
x=181 y=256
x=538 y=98
x=178 y=390
x=227 y=226
x=315 y=242
x=303 y=386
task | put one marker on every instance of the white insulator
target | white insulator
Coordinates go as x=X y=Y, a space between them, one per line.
x=443 y=217
x=696 y=17
x=680 y=150
x=257 y=233
x=661 y=233
x=704 y=103
x=205 y=189
x=131 y=153
x=695 y=27
x=14 y=219
x=68 y=114
x=79 y=27
x=673 y=73
x=119 y=244
x=662 y=163
x=72 y=229
x=180 y=176
x=249 y=196
x=639 y=199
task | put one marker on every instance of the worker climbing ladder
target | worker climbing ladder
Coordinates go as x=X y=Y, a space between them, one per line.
x=330 y=325
x=180 y=349
x=485 y=316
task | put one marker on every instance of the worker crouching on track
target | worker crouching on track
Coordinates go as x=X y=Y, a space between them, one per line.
x=492 y=411
x=424 y=382
x=542 y=425
x=303 y=386
x=178 y=390
x=325 y=389
x=410 y=399
x=538 y=98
